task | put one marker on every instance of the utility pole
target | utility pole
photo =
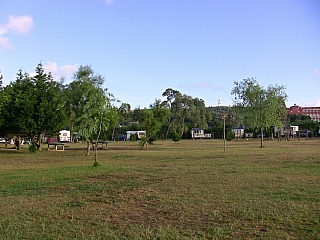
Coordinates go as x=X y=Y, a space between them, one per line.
x=224 y=132
x=224 y=127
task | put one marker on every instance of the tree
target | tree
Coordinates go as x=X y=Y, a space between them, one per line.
x=18 y=111
x=34 y=106
x=114 y=119
x=124 y=111
x=89 y=105
x=180 y=110
x=3 y=98
x=151 y=120
x=185 y=101
x=171 y=95
x=198 y=114
x=298 y=117
x=260 y=108
x=185 y=112
x=49 y=114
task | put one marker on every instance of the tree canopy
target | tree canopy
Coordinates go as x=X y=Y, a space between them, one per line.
x=89 y=105
x=258 y=107
x=34 y=106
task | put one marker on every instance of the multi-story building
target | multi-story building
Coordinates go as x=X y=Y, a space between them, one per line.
x=313 y=112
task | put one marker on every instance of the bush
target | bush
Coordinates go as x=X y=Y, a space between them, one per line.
x=143 y=142
x=133 y=137
x=96 y=164
x=33 y=147
x=176 y=137
x=229 y=136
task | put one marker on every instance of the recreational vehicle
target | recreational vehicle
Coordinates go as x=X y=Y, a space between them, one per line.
x=139 y=134
x=238 y=132
x=287 y=130
x=199 y=133
x=64 y=136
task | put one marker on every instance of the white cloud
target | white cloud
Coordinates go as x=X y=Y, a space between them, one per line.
x=109 y=1
x=68 y=70
x=311 y=104
x=59 y=72
x=317 y=103
x=50 y=67
x=18 y=25
x=3 y=30
x=4 y=42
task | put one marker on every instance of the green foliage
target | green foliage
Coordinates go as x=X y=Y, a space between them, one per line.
x=298 y=117
x=3 y=99
x=198 y=114
x=152 y=120
x=33 y=106
x=89 y=105
x=33 y=147
x=184 y=111
x=133 y=137
x=143 y=142
x=230 y=135
x=176 y=137
x=96 y=164
x=305 y=124
x=259 y=108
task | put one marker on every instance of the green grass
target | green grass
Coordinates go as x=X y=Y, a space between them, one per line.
x=184 y=190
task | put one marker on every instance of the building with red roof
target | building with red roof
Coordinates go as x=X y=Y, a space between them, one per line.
x=313 y=112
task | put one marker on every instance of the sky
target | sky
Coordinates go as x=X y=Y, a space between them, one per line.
x=141 y=48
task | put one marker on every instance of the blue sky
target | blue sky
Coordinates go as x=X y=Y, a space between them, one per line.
x=141 y=48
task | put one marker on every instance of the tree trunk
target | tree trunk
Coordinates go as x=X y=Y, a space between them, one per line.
x=307 y=134
x=88 y=147
x=38 y=142
x=145 y=144
x=113 y=131
x=18 y=143
x=167 y=133
x=182 y=131
x=261 y=144
x=96 y=148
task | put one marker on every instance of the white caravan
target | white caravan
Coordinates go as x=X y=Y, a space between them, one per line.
x=64 y=136
x=140 y=134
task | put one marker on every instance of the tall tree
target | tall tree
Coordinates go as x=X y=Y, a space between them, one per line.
x=17 y=112
x=34 y=106
x=89 y=105
x=124 y=112
x=3 y=98
x=198 y=114
x=260 y=108
x=171 y=96
x=151 y=120
x=49 y=114
x=185 y=102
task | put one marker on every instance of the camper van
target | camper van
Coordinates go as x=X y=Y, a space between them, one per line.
x=140 y=134
x=199 y=133
x=238 y=132
x=64 y=136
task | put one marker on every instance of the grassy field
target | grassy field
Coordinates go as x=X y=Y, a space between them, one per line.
x=184 y=190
